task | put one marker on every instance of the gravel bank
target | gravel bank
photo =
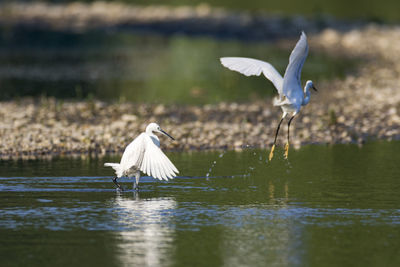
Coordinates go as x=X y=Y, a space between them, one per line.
x=363 y=106
x=201 y=19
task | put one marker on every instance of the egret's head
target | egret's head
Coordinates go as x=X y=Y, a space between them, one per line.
x=154 y=127
x=310 y=84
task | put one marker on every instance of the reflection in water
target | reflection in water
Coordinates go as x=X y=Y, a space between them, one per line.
x=273 y=199
x=147 y=235
x=271 y=228
x=339 y=206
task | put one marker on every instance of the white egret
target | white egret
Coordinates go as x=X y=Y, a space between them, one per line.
x=144 y=154
x=291 y=96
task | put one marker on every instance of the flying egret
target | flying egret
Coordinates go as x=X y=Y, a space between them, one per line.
x=291 y=96
x=144 y=154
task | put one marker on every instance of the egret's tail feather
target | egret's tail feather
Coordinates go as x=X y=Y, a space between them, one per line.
x=116 y=167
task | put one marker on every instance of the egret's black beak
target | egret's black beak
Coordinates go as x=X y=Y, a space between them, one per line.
x=167 y=135
x=315 y=89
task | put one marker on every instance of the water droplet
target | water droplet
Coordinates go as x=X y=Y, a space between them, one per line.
x=215 y=162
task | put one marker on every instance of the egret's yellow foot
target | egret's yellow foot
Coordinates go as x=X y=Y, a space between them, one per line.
x=286 y=150
x=271 y=154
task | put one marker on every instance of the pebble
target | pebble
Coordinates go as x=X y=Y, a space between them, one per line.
x=362 y=106
x=200 y=19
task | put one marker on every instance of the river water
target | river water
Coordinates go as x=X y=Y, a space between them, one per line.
x=126 y=66
x=326 y=206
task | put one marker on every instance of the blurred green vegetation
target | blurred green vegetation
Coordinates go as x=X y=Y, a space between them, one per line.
x=379 y=11
x=142 y=67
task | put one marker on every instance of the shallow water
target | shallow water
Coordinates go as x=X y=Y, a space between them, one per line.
x=326 y=206
x=141 y=67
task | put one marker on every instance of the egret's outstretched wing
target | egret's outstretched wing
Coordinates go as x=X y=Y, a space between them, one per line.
x=291 y=79
x=250 y=66
x=156 y=163
x=134 y=153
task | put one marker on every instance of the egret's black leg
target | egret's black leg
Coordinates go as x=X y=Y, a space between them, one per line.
x=271 y=154
x=288 y=131
x=136 y=187
x=116 y=183
x=136 y=183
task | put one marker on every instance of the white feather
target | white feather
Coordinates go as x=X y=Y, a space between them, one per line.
x=291 y=79
x=250 y=66
x=158 y=161
x=163 y=169
x=291 y=95
x=134 y=152
x=289 y=87
x=116 y=167
x=144 y=154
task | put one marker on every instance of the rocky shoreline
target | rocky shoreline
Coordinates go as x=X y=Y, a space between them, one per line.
x=363 y=106
x=189 y=20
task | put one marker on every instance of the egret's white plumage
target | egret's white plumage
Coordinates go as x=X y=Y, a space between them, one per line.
x=143 y=154
x=291 y=95
x=250 y=67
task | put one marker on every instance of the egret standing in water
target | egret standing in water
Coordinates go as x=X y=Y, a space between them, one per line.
x=291 y=96
x=144 y=154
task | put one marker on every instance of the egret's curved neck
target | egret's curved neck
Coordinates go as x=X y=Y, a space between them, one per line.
x=153 y=137
x=307 y=94
x=150 y=132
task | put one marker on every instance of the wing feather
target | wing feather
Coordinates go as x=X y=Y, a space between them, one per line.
x=159 y=171
x=161 y=168
x=170 y=173
x=134 y=153
x=148 y=168
x=144 y=164
x=250 y=66
x=292 y=77
x=154 y=169
x=156 y=162
x=166 y=170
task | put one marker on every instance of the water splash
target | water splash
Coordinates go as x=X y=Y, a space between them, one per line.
x=256 y=158
x=220 y=156
x=249 y=171
x=288 y=166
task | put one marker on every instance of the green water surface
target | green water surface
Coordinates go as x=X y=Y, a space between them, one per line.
x=125 y=66
x=327 y=206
